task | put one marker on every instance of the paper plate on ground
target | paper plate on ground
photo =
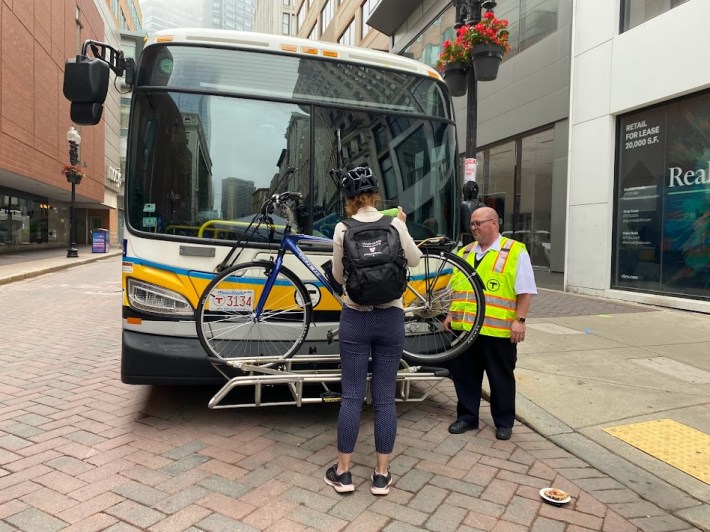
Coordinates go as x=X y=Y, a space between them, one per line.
x=555 y=496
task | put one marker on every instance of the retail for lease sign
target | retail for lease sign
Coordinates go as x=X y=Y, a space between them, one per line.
x=640 y=178
x=662 y=222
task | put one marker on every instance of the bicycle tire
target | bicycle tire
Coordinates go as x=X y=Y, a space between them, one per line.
x=426 y=303
x=225 y=320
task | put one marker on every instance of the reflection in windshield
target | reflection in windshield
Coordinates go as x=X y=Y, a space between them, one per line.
x=202 y=165
x=291 y=77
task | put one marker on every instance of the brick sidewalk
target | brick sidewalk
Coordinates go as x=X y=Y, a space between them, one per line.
x=81 y=451
x=554 y=304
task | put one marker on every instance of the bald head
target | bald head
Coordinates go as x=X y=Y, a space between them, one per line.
x=484 y=226
x=485 y=212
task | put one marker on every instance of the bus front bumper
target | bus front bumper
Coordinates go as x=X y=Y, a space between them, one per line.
x=174 y=360
x=156 y=359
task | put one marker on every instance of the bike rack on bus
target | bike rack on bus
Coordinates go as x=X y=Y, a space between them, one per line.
x=297 y=372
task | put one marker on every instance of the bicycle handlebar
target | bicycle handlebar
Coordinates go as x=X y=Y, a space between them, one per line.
x=283 y=197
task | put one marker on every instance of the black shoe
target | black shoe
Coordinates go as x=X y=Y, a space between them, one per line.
x=504 y=433
x=381 y=483
x=460 y=426
x=342 y=483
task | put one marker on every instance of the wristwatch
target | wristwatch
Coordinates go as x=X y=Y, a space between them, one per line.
x=521 y=320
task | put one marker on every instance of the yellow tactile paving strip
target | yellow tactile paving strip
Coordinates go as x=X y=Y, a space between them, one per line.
x=676 y=444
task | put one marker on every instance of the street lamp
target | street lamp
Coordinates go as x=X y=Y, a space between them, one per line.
x=74 y=177
x=469 y=12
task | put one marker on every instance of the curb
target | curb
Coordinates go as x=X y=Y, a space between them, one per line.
x=36 y=272
x=677 y=502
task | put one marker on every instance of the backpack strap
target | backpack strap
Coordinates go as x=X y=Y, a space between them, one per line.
x=352 y=222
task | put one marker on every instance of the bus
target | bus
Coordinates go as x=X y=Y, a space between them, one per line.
x=221 y=120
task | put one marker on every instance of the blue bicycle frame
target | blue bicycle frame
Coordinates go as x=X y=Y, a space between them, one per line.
x=289 y=242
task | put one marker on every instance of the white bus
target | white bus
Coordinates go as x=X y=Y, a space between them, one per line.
x=221 y=120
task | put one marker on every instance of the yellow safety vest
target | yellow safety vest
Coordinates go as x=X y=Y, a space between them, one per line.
x=497 y=271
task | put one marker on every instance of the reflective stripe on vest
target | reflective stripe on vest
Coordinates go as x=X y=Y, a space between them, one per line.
x=497 y=269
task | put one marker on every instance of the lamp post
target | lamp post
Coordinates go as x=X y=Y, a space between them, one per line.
x=74 y=178
x=469 y=12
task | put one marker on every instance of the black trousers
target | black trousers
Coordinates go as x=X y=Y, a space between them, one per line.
x=496 y=357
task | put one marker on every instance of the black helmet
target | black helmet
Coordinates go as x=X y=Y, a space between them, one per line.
x=358 y=181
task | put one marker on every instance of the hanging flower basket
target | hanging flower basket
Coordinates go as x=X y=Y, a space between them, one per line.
x=486 y=60
x=73 y=173
x=456 y=77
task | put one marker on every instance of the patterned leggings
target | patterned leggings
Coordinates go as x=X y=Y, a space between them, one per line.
x=380 y=333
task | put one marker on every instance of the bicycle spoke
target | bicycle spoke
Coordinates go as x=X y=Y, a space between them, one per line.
x=426 y=340
x=276 y=332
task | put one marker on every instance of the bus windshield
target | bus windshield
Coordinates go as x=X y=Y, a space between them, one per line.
x=214 y=132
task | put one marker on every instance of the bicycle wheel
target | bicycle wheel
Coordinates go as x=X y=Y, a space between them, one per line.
x=226 y=320
x=426 y=303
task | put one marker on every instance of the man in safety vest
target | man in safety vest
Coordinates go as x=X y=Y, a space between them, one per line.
x=509 y=283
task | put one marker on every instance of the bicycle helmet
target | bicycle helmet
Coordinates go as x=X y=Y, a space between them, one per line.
x=359 y=181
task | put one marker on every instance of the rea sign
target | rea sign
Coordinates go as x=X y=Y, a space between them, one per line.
x=469 y=169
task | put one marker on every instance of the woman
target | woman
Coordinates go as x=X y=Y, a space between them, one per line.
x=366 y=332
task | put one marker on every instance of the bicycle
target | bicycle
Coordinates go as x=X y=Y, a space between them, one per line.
x=262 y=309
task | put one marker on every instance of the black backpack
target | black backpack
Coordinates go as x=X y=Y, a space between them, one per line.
x=373 y=261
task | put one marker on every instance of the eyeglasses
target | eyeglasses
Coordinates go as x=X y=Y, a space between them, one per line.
x=479 y=224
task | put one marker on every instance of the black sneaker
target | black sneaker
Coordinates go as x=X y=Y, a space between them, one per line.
x=341 y=483
x=381 y=483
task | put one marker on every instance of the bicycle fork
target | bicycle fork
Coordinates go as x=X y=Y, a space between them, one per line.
x=268 y=285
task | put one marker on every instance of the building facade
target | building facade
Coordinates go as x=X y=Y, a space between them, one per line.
x=639 y=198
x=599 y=169
x=229 y=14
x=35 y=195
x=522 y=116
x=118 y=16
x=341 y=21
x=277 y=17
x=164 y=14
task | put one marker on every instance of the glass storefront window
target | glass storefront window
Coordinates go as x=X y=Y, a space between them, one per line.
x=497 y=184
x=635 y=12
x=24 y=219
x=662 y=221
x=533 y=228
x=515 y=179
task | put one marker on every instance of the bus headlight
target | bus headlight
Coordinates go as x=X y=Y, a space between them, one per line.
x=148 y=297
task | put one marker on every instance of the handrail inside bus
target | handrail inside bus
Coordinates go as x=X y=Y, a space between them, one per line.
x=227 y=223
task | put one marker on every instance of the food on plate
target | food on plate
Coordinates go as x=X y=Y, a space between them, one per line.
x=555 y=494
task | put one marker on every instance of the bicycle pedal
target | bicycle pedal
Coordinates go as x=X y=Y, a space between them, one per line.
x=331 y=397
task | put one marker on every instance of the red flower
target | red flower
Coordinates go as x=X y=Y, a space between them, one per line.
x=490 y=30
x=71 y=169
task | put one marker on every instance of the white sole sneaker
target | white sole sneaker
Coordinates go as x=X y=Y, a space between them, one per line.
x=379 y=489
x=336 y=483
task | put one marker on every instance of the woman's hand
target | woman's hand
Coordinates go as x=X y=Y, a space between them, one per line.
x=401 y=215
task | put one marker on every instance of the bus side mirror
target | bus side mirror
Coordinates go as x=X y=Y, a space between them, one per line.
x=86 y=86
x=130 y=75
